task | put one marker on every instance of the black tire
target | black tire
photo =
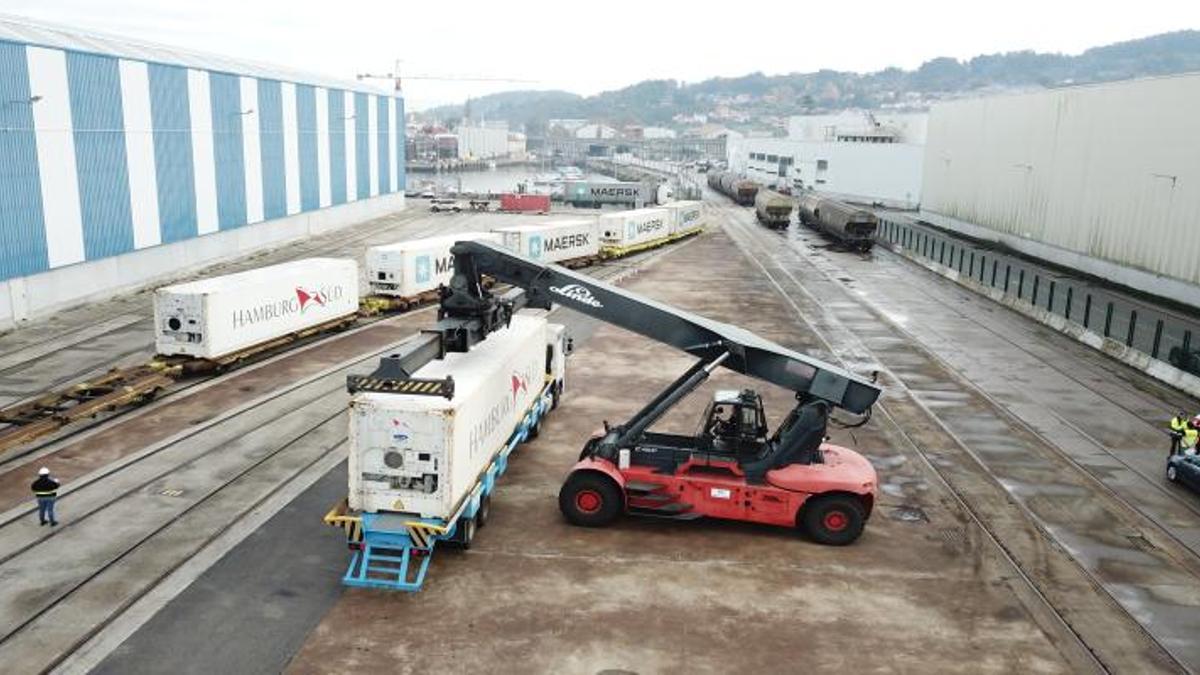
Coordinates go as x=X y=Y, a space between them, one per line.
x=534 y=431
x=464 y=534
x=1172 y=473
x=484 y=512
x=833 y=520
x=555 y=394
x=590 y=499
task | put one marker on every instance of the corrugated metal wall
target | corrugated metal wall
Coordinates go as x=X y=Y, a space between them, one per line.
x=337 y=146
x=101 y=156
x=173 y=152
x=1107 y=171
x=21 y=219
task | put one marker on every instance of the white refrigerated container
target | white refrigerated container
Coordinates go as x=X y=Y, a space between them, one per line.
x=407 y=269
x=553 y=241
x=213 y=318
x=422 y=455
x=630 y=228
x=685 y=216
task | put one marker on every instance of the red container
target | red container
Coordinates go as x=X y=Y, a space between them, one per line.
x=524 y=202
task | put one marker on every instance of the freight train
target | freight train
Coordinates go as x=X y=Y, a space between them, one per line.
x=278 y=304
x=733 y=186
x=852 y=226
x=773 y=209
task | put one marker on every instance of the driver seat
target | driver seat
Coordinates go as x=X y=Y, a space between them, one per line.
x=798 y=440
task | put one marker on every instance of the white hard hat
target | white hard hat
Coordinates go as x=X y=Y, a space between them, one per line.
x=43 y=471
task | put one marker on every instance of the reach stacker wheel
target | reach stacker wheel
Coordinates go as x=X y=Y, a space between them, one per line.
x=590 y=499
x=1172 y=473
x=834 y=520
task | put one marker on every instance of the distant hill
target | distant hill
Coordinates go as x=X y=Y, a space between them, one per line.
x=657 y=102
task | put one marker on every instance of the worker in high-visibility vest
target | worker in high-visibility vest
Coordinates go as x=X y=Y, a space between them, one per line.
x=1179 y=426
x=1190 y=436
x=45 y=488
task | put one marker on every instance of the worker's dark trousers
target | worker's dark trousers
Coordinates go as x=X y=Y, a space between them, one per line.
x=46 y=510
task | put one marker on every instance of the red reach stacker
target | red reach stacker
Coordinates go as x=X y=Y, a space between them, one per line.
x=733 y=467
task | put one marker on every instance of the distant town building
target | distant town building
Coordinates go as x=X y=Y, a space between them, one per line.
x=657 y=132
x=596 y=131
x=476 y=142
x=857 y=155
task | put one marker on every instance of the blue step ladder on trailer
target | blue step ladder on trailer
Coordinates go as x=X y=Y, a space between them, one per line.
x=392 y=550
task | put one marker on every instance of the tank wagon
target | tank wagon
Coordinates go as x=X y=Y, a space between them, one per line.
x=733 y=186
x=773 y=209
x=852 y=226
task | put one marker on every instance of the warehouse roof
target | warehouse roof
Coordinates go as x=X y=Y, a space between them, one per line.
x=27 y=31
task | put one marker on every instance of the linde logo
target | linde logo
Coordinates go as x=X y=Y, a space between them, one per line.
x=566 y=242
x=303 y=299
x=578 y=293
x=615 y=191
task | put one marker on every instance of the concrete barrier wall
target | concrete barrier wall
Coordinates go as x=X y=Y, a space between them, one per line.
x=1125 y=353
x=39 y=295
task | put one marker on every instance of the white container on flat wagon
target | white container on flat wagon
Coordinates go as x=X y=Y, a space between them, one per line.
x=422 y=455
x=407 y=269
x=553 y=241
x=213 y=318
x=630 y=228
x=685 y=216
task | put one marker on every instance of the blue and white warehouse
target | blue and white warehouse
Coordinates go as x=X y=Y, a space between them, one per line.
x=123 y=163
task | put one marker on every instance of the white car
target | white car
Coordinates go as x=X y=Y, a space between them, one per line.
x=439 y=205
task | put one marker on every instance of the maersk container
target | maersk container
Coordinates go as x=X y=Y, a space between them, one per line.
x=631 y=228
x=685 y=216
x=421 y=455
x=588 y=193
x=554 y=241
x=407 y=269
x=217 y=317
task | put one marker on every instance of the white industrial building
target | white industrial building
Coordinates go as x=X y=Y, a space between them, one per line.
x=482 y=142
x=1101 y=178
x=127 y=162
x=853 y=155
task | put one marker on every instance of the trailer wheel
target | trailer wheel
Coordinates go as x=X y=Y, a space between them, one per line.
x=833 y=520
x=534 y=431
x=484 y=511
x=555 y=395
x=590 y=500
x=464 y=534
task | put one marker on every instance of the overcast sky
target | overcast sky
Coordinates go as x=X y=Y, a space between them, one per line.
x=587 y=47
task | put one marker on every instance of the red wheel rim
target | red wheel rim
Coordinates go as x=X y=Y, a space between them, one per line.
x=835 y=521
x=588 y=501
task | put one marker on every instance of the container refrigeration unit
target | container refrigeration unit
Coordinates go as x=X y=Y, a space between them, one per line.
x=414 y=268
x=227 y=316
x=423 y=465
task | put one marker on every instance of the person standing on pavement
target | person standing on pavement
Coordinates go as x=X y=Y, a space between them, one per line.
x=45 y=488
x=1179 y=425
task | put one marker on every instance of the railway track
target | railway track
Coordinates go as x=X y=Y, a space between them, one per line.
x=134 y=522
x=1091 y=374
x=1060 y=588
